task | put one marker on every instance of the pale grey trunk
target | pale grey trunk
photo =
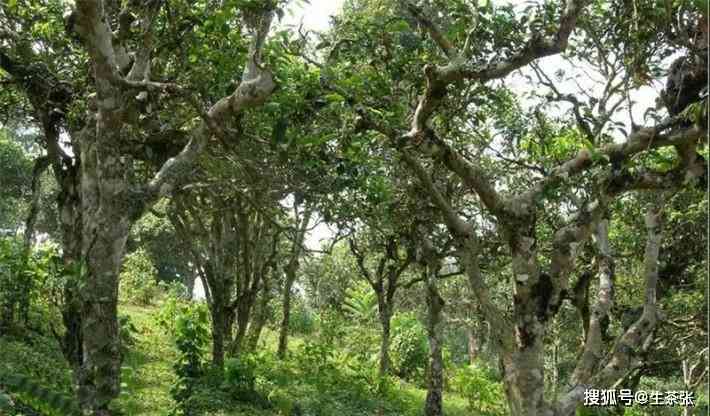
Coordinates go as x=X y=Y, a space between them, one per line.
x=254 y=332
x=108 y=208
x=435 y=385
x=524 y=386
x=523 y=364
x=472 y=345
x=189 y=282
x=102 y=353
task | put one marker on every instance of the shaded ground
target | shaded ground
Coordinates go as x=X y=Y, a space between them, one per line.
x=148 y=378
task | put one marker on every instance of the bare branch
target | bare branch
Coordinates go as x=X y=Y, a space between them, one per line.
x=360 y=259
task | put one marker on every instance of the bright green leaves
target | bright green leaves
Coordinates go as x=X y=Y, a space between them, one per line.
x=16 y=178
x=361 y=303
x=378 y=189
x=480 y=388
x=555 y=146
x=187 y=323
x=204 y=46
x=138 y=279
x=697 y=113
x=334 y=98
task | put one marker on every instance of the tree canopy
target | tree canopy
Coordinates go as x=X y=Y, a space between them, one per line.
x=531 y=177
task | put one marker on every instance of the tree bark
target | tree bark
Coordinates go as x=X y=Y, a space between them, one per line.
x=385 y=314
x=244 y=308
x=189 y=282
x=70 y=220
x=472 y=345
x=286 y=313
x=291 y=276
x=219 y=312
x=106 y=207
x=262 y=314
x=435 y=385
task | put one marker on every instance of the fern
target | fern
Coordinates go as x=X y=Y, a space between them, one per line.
x=57 y=403
x=361 y=303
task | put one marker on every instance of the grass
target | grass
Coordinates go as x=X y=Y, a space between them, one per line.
x=147 y=378
x=147 y=374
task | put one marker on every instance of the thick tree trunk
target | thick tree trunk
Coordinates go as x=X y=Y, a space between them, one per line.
x=385 y=315
x=107 y=213
x=102 y=354
x=220 y=327
x=218 y=320
x=524 y=384
x=69 y=203
x=435 y=385
x=286 y=312
x=243 y=317
x=72 y=341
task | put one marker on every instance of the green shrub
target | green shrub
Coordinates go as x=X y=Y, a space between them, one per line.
x=191 y=337
x=332 y=327
x=478 y=386
x=315 y=359
x=38 y=396
x=409 y=348
x=239 y=375
x=34 y=376
x=361 y=303
x=138 y=279
x=23 y=280
x=127 y=332
x=174 y=289
x=302 y=320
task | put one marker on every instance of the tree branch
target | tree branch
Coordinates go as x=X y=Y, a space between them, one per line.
x=634 y=340
x=446 y=46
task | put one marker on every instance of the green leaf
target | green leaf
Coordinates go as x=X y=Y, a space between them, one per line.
x=334 y=98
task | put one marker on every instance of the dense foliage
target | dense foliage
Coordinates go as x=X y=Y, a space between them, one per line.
x=438 y=207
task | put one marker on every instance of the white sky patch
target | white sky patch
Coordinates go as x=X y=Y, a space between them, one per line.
x=314 y=16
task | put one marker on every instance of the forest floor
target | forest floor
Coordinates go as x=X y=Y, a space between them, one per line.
x=148 y=377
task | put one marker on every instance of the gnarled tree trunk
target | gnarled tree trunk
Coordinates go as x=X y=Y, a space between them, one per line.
x=262 y=315
x=107 y=214
x=435 y=383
